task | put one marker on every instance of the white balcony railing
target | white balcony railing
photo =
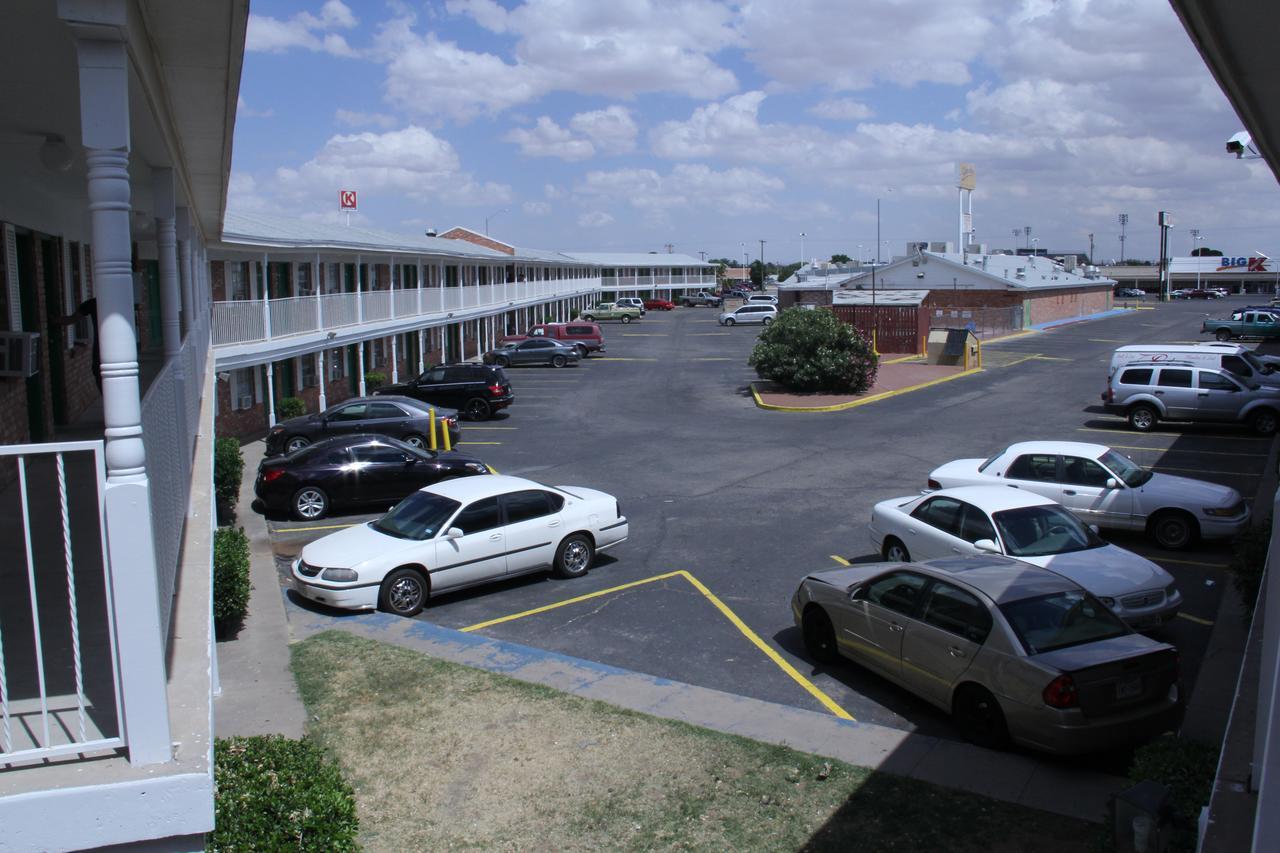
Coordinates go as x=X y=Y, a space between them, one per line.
x=252 y=321
x=59 y=667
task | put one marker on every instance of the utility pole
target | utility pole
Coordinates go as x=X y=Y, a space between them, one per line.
x=1165 y=221
x=1090 y=247
x=1026 y=229
x=762 y=278
x=1017 y=232
x=703 y=255
x=1124 y=220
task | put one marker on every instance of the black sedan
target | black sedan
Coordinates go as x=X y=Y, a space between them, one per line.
x=533 y=351
x=398 y=417
x=353 y=470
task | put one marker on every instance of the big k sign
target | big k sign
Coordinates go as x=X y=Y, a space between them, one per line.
x=347 y=200
x=1227 y=264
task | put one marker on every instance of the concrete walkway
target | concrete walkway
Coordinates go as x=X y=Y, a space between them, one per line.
x=259 y=695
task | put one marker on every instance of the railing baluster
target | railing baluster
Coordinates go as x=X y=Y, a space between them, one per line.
x=71 y=593
x=4 y=700
x=35 y=607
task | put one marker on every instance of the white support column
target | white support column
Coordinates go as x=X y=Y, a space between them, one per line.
x=271 y=394
x=360 y=312
x=395 y=361
x=162 y=198
x=422 y=349
x=103 y=62
x=185 y=270
x=462 y=341
x=323 y=379
x=360 y=363
x=315 y=285
x=419 y=282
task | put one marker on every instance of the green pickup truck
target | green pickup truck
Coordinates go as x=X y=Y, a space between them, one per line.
x=610 y=311
x=1246 y=323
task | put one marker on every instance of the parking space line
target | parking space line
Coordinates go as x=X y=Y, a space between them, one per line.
x=309 y=529
x=614 y=358
x=1018 y=360
x=1170 y=436
x=1180 y=450
x=841 y=560
x=461 y=443
x=826 y=701
x=1205 y=471
x=646 y=334
x=1104 y=341
x=1195 y=619
x=714 y=358
x=1199 y=563
x=707 y=334
x=1049 y=358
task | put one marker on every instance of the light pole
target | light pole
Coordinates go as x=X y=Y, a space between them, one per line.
x=1017 y=234
x=1124 y=220
x=1195 y=239
x=801 y=248
x=1090 y=248
x=859 y=254
x=1026 y=229
x=491 y=216
x=762 y=264
x=1035 y=246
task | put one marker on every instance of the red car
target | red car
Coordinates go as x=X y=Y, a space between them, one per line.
x=658 y=305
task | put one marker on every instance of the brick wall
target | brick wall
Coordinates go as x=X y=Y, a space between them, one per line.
x=1066 y=304
x=245 y=423
x=13 y=411
x=792 y=298
x=218 y=280
x=477 y=239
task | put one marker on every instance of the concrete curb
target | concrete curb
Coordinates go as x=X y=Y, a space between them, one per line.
x=862 y=401
x=1015 y=778
x=259 y=695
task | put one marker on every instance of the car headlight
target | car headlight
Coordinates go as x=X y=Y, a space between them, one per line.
x=1171 y=590
x=478 y=467
x=1110 y=602
x=1225 y=511
x=340 y=575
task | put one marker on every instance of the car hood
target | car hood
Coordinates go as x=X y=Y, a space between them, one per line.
x=960 y=468
x=350 y=548
x=1109 y=570
x=1083 y=656
x=1190 y=492
x=394 y=388
x=299 y=422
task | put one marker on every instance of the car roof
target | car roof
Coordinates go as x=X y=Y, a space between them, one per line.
x=466 y=489
x=995 y=498
x=1001 y=579
x=1078 y=448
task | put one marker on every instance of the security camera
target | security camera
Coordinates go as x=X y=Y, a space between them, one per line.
x=1241 y=145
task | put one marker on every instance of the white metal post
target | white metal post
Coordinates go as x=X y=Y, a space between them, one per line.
x=421 y=346
x=395 y=361
x=360 y=365
x=323 y=379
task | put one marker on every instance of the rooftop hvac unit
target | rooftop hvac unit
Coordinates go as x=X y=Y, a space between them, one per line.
x=940 y=248
x=19 y=353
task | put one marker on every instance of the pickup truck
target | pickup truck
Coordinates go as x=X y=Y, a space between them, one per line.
x=1243 y=324
x=702 y=297
x=611 y=311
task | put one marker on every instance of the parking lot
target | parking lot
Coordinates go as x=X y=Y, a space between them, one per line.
x=730 y=505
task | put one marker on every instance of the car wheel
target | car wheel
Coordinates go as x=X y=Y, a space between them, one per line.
x=502 y=361
x=1173 y=530
x=1264 y=422
x=1143 y=418
x=626 y=318
x=728 y=321
x=819 y=636
x=558 y=361
x=415 y=440
x=476 y=409
x=310 y=503
x=586 y=317
x=979 y=718
x=894 y=551
x=767 y=320
x=403 y=593
x=1223 y=334
x=574 y=556
x=296 y=442
x=583 y=352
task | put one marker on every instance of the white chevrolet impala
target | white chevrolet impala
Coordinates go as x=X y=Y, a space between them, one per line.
x=457 y=534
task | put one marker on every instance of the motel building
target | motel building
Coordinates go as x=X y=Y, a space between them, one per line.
x=116 y=248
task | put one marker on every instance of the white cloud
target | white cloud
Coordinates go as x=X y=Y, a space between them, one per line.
x=594 y=219
x=243 y=110
x=840 y=109
x=688 y=185
x=548 y=139
x=715 y=130
x=352 y=118
x=611 y=129
x=304 y=30
x=536 y=208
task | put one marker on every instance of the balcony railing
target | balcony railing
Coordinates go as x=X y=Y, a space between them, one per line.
x=253 y=320
x=660 y=282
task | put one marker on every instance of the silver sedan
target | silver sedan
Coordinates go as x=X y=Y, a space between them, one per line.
x=1012 y=651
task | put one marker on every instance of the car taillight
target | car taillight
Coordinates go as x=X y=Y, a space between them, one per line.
x=495 y=390
x=1061 y=693
x=272 y=474
x=934 y=484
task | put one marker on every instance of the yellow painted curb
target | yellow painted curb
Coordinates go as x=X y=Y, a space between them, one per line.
x=1012 y=336
x=853 y=404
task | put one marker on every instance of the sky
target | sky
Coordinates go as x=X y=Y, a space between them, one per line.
x=704 y=126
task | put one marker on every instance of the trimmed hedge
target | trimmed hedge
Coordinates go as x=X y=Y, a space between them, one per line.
x=1186 y=767
x=273 y=793
x=228 y=468
x=231 y=585
x=815 y=351
x=374 y=380
x=1248 y=560
x=290 y=407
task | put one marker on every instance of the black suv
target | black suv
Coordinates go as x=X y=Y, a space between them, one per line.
x=476 y=390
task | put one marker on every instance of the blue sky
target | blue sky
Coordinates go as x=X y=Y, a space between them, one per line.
x=628 y=125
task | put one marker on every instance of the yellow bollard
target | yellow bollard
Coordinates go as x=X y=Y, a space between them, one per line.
x=444 y=433
x=431 y=427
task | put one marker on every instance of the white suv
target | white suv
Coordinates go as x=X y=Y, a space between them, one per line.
x=751 y=312
x=631 y=302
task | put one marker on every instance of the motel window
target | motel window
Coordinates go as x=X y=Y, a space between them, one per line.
x=305 y=286
x=237 y=281
x=242 y=389
x=307 y=370
x=336 y=361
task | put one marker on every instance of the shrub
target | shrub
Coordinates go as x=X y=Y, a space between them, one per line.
x=374 y=380
x=273 y=793
x=228 y=467
x=1186 y=767
x=290 y=407
x=1248 y=559
x=230 y=579
x=814 y=351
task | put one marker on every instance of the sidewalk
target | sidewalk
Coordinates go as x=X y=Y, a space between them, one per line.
x=892 y=378
x=259 y=695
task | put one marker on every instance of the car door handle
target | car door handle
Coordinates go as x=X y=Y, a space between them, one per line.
x=555 y=523
x=1202 y=394
x=1068 y=491
x=895 y=627
x=956 y=652
x=911 y=531
x=1159 y=393
x=495 y=537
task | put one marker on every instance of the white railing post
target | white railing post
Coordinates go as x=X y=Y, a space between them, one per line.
x=393 y=285
x=271 y=393
x=395 y=360
x=104 y=125
x=418 y=281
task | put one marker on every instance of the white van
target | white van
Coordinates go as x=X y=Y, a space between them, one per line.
x=1233 y=358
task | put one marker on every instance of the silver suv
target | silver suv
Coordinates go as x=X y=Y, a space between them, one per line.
x=1175 y=391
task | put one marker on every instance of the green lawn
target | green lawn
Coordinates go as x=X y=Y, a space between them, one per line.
x=446 y=757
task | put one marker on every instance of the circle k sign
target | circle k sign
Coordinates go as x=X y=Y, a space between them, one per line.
x=347 y=198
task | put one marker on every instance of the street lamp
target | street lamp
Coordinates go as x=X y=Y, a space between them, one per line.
x=1035 y=246
x=1195 y=239
x=1026 y=229
x=491 y=216
x=1124 y=220
x=1017 y=234
x=801 y=248
x=859 y=254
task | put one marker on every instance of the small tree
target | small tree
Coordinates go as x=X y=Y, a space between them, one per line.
x=757 y=275
x=840 y=259
x=228 y=467
x=814 y=351
x=374 y=380
x=290 y=407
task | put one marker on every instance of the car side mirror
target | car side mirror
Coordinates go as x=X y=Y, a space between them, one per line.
x=1094 y=528
x=987 y=546
x=1113 y=483
x=454 y=533
x=857 y=593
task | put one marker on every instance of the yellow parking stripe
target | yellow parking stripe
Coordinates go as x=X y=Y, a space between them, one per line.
x=715 y=358
x=1199 y=563
x=1180 y=450
x=1195 y=619
x=1170 y=436
x=1204 y=471
x=826 y=701
x=841 y=560
x=1104 y=341
x=309 y=529
x=470 y=443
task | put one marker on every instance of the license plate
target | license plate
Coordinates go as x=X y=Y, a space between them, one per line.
x=1129 y=689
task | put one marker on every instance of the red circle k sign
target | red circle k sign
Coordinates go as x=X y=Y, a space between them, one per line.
x=347 y=198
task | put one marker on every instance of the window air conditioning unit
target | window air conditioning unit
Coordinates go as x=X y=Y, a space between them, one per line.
x=19 y=353
x=245 y=402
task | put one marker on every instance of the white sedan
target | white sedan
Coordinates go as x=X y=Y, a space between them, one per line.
x=457 y=534
x=1108 y=489
x=999 y=520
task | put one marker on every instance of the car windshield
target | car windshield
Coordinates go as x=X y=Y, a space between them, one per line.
x=1130 y=473
x=1037 y=531
x=418 y=516
x=1060 y=620
x=991 y=459
x=1253 y=361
